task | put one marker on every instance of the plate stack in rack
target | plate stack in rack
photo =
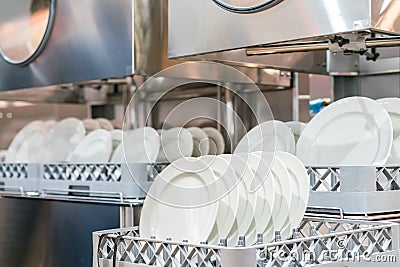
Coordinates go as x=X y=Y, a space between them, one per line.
x=227 y=197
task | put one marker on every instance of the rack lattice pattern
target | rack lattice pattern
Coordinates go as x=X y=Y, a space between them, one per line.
x=327 y=178
x=317 y=239
x=14 y=171
x=83 y=172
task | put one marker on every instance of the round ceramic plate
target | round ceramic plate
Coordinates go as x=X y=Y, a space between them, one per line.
x=245 y=213
x=392 y=106
x=50 y=124
x=297 y=128
x=269 y=136
x=283 y=194
x=117 y=124
x=105 y=124
x=62 y=139
x=353 y=131
x=116 y=137
x=262 y=186
x=96 y=147
x=138 y=146
x=201 y=144
x=181 y=203
x=176 y=143
x=27 y=144
x=301 y=190
x=226 y=183
x=216 y=140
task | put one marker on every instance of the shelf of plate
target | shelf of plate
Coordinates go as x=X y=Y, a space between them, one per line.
x=318 y=241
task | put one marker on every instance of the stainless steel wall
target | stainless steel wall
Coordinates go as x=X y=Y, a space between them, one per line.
x=44 y=233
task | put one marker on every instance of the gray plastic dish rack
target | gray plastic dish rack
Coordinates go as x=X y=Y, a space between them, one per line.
x=319 y=242
x=112 y=181
x=358 y=191
x=355 y=190
x=123 y=181
x=19 y=178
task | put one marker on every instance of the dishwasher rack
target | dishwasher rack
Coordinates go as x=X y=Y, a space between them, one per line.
x=355 y=190
x=317 y=242
x=111 y=181
x=350 y=191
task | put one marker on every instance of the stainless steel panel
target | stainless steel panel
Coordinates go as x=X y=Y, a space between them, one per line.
x=42 y=233
x=225 y=34
x=96 y=39
x=290 y=20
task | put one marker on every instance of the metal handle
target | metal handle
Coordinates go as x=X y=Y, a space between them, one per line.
x=249 y=9
x=316 y=46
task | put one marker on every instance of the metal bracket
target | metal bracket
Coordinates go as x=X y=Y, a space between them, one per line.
x=348 y=43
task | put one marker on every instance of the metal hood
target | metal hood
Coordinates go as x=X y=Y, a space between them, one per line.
x=254 y=33
x=95 y=39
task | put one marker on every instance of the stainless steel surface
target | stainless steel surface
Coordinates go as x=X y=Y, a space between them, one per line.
x=248 y=7
x=228 y=34
x=96 y=39
x=316 y=19
x=24 y=29
x=44 y=233
x=315 y=240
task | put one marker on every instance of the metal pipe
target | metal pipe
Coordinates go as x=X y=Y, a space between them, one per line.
x=316 y=46
x=288 y=48
x=383 y=42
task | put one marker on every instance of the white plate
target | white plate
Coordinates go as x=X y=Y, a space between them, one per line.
x=138 y=146
x=91 y=125
x=105 y=124
x=117 y=124
x=245 y=213
x=116 y=137
x=269 y=136
x=262 y=186
x=226 y=183
x=392 y=106
x=181 y=203
x=96 y=147
x=28 y=143
x=352 y=131
x=301 y=190
x=50 y=124
x=283 y=194
x=176 y=143
x=201 y=144
x=297 y=128
x=62 y=139
x=216 y=140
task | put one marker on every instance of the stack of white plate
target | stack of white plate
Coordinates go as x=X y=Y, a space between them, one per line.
x=269 y=136
x=70 y=140
x=180 y=142
x=210 y=198
x=135 y=146
x=355 y=131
